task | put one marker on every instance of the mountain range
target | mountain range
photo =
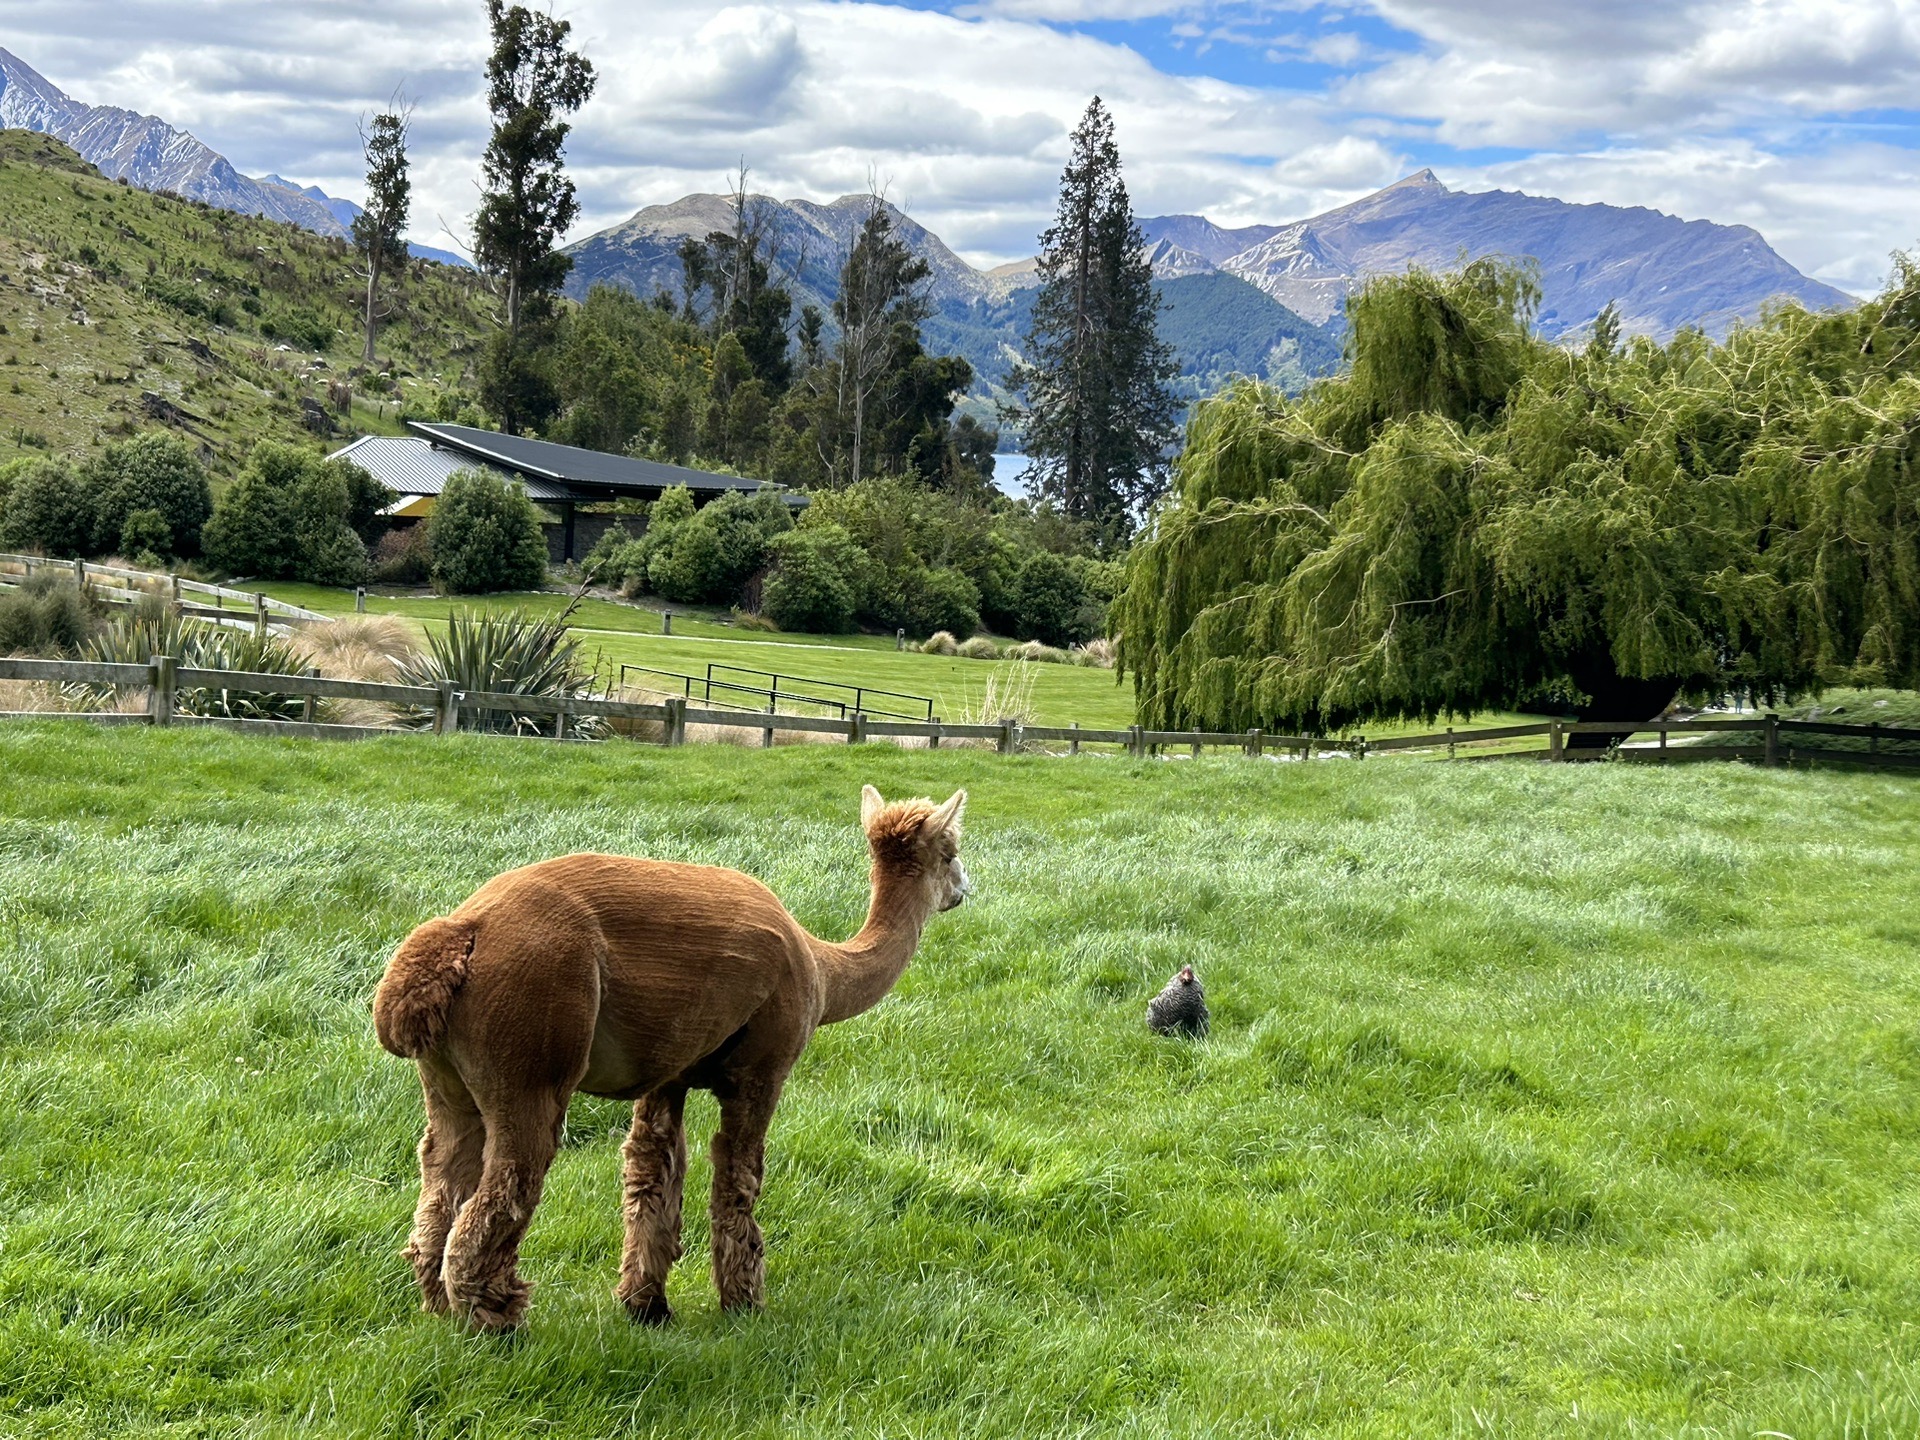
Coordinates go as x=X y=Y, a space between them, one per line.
x=1270 y=299
x=144 y=150
x=1256 y=299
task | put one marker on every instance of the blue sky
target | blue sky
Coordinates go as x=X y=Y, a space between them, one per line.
x=1794 y=116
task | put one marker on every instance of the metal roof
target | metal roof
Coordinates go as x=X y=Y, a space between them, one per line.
x=409 y=465
x=585 y=470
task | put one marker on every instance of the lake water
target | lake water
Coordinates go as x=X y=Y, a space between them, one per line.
x=1010 y=474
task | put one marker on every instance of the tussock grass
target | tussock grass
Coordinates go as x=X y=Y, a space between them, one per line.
x=1541 y=1100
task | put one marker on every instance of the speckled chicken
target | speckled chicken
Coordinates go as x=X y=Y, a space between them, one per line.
x=1181 y=1008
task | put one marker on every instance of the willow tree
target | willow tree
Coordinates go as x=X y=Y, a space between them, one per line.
x=1470 y=519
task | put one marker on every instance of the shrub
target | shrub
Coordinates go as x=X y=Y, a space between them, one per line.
x=505 y=651
x=744 y=620
x=155 y=472
x=1036 y=652
x=941 y=642
x=485 y=536
x=146 y=538
x=286 y=518
x=298 y=326
x=49 y=509
x=45 y=615
x=1051 y=600
x=156 y=628
x=812 y=584
x=946 y=600
x=1097 y=654
x=403 y=557
x=978 y=648
x=708 y=556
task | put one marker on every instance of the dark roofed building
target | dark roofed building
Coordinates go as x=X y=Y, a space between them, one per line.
x=559 y=478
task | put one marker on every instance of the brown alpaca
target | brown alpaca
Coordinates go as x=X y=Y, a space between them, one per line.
x=639 y=980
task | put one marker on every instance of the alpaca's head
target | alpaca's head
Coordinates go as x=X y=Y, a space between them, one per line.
x=919 y=841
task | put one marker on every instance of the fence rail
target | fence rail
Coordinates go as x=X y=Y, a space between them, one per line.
x=1767 y=738
x=255 y=609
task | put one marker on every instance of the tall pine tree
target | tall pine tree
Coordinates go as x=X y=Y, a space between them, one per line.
x=377 y=229
x=527 y=201
x=1100 y=413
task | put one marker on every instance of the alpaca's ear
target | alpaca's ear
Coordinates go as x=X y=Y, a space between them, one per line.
x=870 y=806
x=947 y=816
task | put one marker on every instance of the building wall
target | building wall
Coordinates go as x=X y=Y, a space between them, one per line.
x=587 y=530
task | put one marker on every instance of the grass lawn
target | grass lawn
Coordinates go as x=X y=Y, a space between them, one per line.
x=630 y=634
x=1541 y=1101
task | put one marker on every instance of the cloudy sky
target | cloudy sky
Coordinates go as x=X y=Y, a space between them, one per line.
x=1798 y=117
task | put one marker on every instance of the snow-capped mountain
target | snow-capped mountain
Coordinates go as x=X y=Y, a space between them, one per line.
x=146 y=151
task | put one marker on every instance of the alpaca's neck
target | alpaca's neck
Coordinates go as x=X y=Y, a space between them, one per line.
x=859 y=973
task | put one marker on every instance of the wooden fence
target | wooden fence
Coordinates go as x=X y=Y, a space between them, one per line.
x=235 y=609
x=1764 y=738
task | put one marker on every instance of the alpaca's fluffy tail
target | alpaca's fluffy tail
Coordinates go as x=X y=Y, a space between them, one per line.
x=410 y=1007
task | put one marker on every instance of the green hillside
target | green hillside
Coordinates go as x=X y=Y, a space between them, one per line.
x=120 y=309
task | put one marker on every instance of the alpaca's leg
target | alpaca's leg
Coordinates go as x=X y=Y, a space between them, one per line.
x=450 y=1154
x=656 y=1168
x=739 y=1156
x=483 y=1252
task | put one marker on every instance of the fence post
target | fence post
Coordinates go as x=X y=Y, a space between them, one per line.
x=666 y=622
x=359 y=599
x=1009 y=735
x=766 y=735
x=857 y=728
x=1359 y=747
x=1136 y=742
x=446 y=714
x=1555 y=744
x=1196 y=749
x=259 y=613
x=1256 y=743
x=676 y=731
x=933 y=740
x=1773 y=738
x=1306 y=748
x=175 y=579
x=308 y=703
x=1873 y=740
x=160 y=691
x=1073 y=740
x=899 y=639
x=1663 y=734
x=1449 y=742
x=560 y=723
x=79 y=572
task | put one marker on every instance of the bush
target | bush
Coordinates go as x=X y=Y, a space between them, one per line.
x=944 y=600
x=1036 y=652
x=812 y=584
x=508 y=652
x=155 y=472
x=299 y=327
x=286 y=518
x=145 y=538
x=45 y=615
x=978 y=648
x=49 y=509
x=485 y=536
x=706 y=558
x=403 y=557
x=1052 y=600
x=941 y=642
x=156 y=628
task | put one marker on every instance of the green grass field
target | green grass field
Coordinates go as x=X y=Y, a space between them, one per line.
x=630 y=634
x=1541 y=1101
